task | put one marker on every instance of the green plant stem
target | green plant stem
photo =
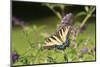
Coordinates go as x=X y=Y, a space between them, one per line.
x=87 y=17
x=62 y=11
x=55 y=12
x=84 y=21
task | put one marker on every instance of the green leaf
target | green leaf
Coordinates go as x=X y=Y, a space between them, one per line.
x=86 y=8
x=80 y=14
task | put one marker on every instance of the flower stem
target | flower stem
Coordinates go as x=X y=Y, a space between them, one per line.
x=55 y=12
x=87 y=17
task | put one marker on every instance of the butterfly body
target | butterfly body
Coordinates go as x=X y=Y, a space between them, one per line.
x=60 y=39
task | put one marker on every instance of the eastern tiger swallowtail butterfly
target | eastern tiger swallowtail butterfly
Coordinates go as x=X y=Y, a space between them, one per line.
x=60 y=38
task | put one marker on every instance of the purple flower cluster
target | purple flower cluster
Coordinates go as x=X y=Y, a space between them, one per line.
x=84 y=50
x=17 y=21
x=15 y=57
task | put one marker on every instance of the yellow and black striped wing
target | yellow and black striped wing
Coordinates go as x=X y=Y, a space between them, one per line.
x=62 y=32
x=58 y=38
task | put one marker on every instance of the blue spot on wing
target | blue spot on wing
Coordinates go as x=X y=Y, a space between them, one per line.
x=64 y=45
x=61 y=47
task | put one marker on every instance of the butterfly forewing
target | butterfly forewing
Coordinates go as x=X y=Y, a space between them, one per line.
x=66 y=32
x=58 y=38
x=51 y=41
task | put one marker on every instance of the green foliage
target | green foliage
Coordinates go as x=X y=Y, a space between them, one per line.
x=35 y=55
x=29 y=40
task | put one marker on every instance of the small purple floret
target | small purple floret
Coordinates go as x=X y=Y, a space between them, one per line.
x=84 y=50
x=15 y=57
x=82 y=29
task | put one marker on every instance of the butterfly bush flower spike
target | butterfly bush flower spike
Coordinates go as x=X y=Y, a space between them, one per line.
x=15 y=57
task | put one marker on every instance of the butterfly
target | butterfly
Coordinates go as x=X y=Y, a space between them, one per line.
x=60 y=38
